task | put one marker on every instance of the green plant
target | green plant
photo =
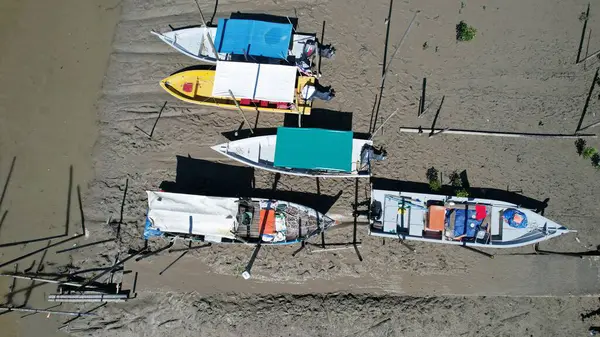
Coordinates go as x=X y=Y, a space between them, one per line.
x=433 y=176
x=580 y=145
x=588 y=152
x=462 y=193
x=435 y=185
x=596 y=160
x=455 y=180
x=465 y=32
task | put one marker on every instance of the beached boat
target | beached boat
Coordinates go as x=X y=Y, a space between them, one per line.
x=241 y=39
x=457 y=221
x=231 y=220
x=251 y=86
x=304 y=152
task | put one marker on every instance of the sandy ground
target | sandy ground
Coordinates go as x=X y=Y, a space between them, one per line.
x=519 y=74
x=54 y=55
x=340 y=314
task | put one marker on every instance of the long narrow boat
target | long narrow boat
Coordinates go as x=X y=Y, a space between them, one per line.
x=304 y=152
x=237 y=39
x=195 y=43
x=457 y=221
x=255 y=87
x=231 y=220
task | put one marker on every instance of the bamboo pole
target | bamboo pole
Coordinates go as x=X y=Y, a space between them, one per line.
x=590 y=126
x=55 y=312
x=497 y=134
x=87 y=298
x=382 y=124
x=241 y=111
x=587 y=16
x=590 y=56
x=25 y=277
x=210 y=41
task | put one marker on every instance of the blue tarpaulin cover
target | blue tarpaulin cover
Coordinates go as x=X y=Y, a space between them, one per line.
x=510 y=214
x=253 y=37
x=464 y=223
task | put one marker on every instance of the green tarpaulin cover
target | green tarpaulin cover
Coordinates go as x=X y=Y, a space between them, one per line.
x=320 y=149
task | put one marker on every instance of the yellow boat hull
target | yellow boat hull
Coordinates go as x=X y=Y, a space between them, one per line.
x=196 y=86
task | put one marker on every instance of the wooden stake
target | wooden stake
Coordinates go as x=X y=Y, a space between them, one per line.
x=319 y=49
x=590 y=56
x=497 y=134
x=382 y=124
x=210 y=41
x=587 y=16
x=590 y=126
x=25 y=277
x=56 y=312
x=422 y=107
x=241 y=111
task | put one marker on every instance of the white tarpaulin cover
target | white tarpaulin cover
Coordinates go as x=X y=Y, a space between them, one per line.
x=192 y=214
x=266 y=82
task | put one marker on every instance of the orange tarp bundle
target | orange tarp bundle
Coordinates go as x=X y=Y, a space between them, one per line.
x=267 y=221
x=437 y=218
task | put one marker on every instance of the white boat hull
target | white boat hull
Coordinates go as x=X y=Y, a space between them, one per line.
x=194 y=42
x=219 y=219
x=502 y=235
x=259 y=152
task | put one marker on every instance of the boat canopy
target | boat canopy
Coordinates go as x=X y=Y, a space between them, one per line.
x=316 y=149
x=192 y=214
x=253 y=37
x=266 y=82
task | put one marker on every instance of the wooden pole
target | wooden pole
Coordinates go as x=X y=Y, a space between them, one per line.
x=108 y=270
x=422 y=107
x=387 y=67
x=319 y=49
x=382 y=124
x=210 y=41
x=587 y=16
x=387 y=38
x=587 y=101
x=241 y=111
x=55 y=312
x=497 y=134
x=590 y=126
x=464 y=245
x=590 y=56
x=25 y=277
x=157 y=118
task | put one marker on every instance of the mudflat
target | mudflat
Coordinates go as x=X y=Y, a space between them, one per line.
x=518 y=74
x=53 y=60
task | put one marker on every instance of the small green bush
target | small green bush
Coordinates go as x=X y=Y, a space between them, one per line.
x=435 y=185
x=465 y=32
x=433 y=176
x=588 y=152
x=455 y=180
x=462 y=193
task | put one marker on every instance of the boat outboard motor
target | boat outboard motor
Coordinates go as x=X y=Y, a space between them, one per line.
x=327 y=51
x=310 y=92
x=376 y=210
x=308 y=52
x=369 y=153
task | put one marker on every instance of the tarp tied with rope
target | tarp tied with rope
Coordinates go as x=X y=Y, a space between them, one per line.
x=254 y=38
x=266 y=82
